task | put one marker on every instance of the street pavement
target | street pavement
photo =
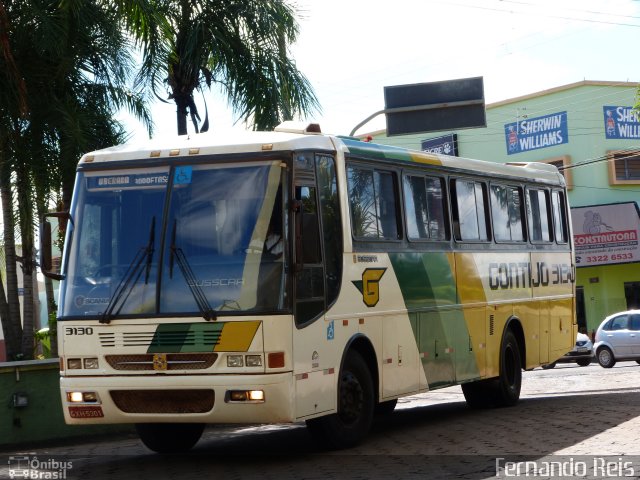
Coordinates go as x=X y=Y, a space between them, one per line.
x=585 y=419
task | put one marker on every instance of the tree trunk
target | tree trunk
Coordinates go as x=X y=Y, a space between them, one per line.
x=14 y=341
x=181 y=114
x=25 y=208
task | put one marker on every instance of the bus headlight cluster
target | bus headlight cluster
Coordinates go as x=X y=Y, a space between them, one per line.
x=90 y=363
x=82 y=397
x=242 y=360
x=255 y=396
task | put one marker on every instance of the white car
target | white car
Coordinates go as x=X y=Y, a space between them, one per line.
x=618 y=338
x=582 y=353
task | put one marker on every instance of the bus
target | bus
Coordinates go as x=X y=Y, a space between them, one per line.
x=293 y=276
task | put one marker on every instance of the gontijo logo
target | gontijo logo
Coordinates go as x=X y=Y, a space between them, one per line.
x=369 y=286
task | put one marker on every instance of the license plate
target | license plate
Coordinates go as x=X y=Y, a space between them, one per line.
x=582 y=349
x=88 y=411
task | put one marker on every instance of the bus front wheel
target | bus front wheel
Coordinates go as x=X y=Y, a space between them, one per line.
x=169 y=437
x=352 y=422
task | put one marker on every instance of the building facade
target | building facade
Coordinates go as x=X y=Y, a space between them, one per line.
x=591 y=132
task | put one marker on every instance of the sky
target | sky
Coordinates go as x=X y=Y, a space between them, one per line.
x=351 y=49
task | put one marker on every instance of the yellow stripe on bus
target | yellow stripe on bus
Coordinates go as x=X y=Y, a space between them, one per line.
x=424 y=158
x=237 y=336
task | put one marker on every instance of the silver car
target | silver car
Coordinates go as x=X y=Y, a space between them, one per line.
x=582 y=353
x=618 y=338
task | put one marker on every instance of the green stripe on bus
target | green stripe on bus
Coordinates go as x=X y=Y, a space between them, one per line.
x=442 y=336
x=186 y=337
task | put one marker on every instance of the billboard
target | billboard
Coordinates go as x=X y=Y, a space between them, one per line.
x=606 y=234
x=538 y=132
x=620 y=122
x=435 y=106
x=446 y=145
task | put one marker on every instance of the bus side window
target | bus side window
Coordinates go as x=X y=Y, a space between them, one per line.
x=538 y=215
x=310 y=280
x=424 y=207
x=506 y=209
x=559 y=216
x=470 y=210
x=372 y=199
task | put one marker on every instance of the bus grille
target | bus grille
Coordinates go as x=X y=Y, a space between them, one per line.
x=163 y=401
x=175 y=361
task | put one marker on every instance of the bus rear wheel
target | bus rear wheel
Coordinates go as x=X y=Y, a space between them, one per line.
x=503 y=391
x=169 y=437
x=350 y=425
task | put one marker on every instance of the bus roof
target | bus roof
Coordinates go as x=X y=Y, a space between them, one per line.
x=528 y=170
x=237 y=142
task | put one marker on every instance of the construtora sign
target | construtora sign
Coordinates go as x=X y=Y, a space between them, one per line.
x=606 y=234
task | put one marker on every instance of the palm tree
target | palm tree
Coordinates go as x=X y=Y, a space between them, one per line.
x=239 y=45
x=73 y=59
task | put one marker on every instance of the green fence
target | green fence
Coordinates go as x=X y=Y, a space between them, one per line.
x=30 y=398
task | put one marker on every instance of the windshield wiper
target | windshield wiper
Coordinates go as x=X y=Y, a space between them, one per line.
x=206 y=311
x=133 y=271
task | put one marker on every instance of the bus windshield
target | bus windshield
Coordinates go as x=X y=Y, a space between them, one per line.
x=188 y=239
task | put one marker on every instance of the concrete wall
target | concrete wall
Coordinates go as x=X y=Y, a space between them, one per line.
x=41 y=419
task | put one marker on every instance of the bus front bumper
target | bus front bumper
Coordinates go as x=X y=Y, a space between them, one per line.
x=178 y=399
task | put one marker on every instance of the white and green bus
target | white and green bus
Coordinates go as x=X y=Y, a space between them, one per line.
x=292 y=276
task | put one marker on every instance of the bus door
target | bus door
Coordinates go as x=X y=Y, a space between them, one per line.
x=317 y=264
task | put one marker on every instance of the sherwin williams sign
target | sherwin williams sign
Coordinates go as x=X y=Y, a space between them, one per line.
x=534 y=133
x=606 y=234
x=621 y=122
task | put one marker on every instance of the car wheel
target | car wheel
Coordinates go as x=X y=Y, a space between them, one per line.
x=583 y=362
x=549 y=366
x=606 y=358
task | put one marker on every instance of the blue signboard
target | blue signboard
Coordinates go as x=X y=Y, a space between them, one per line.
x=446 y=145
x=538 y=132
x=621 y=122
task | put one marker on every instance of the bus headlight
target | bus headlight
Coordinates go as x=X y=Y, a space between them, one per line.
x=91 y=363
x=253 y=360
x=235 y=361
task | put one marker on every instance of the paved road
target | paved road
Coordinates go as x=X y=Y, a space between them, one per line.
x=585 y=418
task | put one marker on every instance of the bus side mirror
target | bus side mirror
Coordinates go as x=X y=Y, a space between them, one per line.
x=50 y=263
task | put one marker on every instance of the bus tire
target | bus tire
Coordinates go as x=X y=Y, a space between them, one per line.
x=510 y=379
x=479 y=394
x=356 y=401
x=386 y=408
x=169 y=437
x=606 y=358
x=503 y=391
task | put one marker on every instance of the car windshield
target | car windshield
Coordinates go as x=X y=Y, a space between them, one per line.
x=192 y=239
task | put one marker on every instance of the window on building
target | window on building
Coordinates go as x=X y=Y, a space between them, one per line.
x=424 y=206
x=506 y=208
x=624 y=167
x=469 y=210
x=562 y=164
x=372 y=198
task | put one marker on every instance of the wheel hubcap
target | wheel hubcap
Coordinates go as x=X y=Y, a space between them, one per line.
x=351 y=398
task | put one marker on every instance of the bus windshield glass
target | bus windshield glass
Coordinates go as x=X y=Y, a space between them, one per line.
x=176 y=241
